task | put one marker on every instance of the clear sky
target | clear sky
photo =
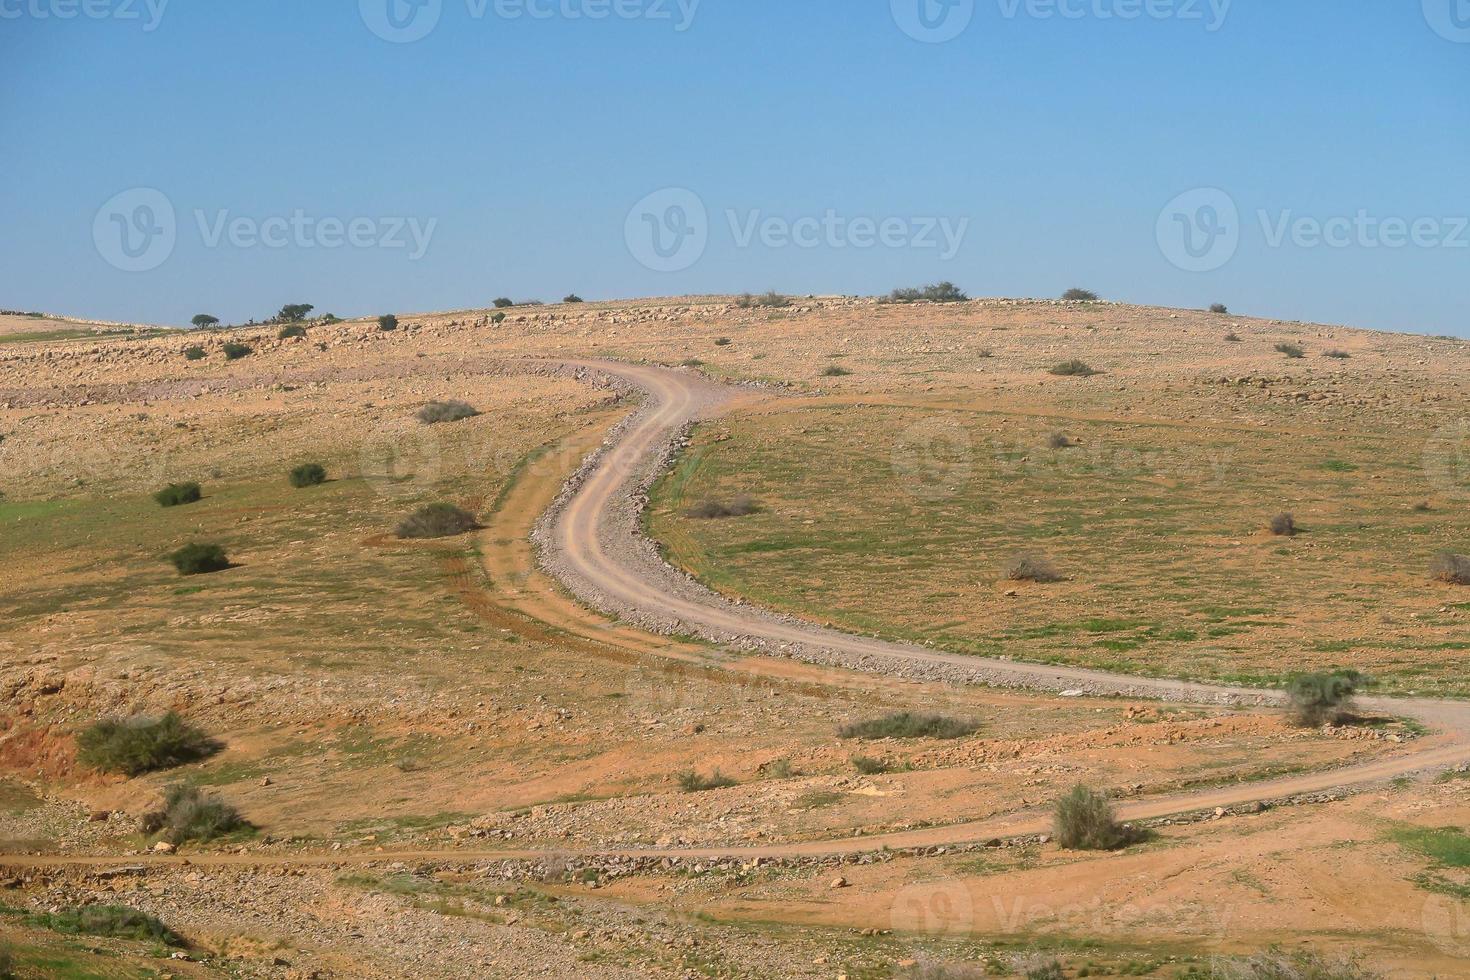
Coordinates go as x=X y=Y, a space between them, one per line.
x=1305 y=159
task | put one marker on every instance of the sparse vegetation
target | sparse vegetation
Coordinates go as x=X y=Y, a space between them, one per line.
x=504 y=302
x=450 y=411
x=189 y=814
x=940 y=292
x=723 y=341
x=1076 y=295
x=572 y=298
x=1337 y=355
x=195 y=353
x=1292 y=351
x=1450 y=568
x=739 y=506
x=1284 y=525
x=133 y=746
x=294 y=330
x=1032 y=568
x=1423 y=507
x=1276 y=964
x=1041 y=968
x=869 y=766
x=1084 y=821
x=233 y=350
x=836 y=371
x=437 y=521
x=199 y=559
x=308 y=475
x=1059 y=440
x=1219 y=308
x=769 y=300
x=907 y=724
x=178 y=494
x=1073 y=369
x=111 y=921
x=387 y=323
x=1322 y=698
x=693 y=782
x=1232 y=337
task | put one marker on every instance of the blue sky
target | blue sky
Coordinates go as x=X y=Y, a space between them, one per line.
x=1053 y=139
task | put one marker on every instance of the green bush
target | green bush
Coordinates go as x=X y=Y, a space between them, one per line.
x=177 y=494
x=693 y=782
x=1073 y=369
x=1323 y=697
x=940 y=292
x=504 y=303
x=308 y=475
x=573 y=298
x=450 y=411
x=199 y=559
x=498 y=318
x=286 y=333
x=1450 y=568
x=1219 y=308
x=387 y=323
x=205 y=321
x=112 y=921
x=1290 y=350
x=133 y=746
x=1084 y=821
x=1075 y=295
x=195 y=353
x=189 y=814
x=836 y=371
x=437 y=521
x=906 y=724
x=234 y=351
x=869 y=766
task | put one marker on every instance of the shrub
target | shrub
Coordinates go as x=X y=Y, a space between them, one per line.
x=498 y=318
x=1284 y=525
x=1059 y=440
x=869 y=766
x=1337 y=355
x=573 y=298
x=1219 y=308
x=1291 y=350
x=1040 y=968
x=295 y=330
x=195 y=353
x=1073 y=369
x=1274 y=964
x=1084 y=821
x=450 y=411
x=740 y=506
x=1450 y=568
x=437 y=521
x=1423 y=507
x=940 y=292
x=693 y=782
x=7 y=964
x=1075 y=295
x=308 y=475
x=199 y=559
x=112 y=921
x=1322 y=697
x=133 y=746
x=504 y=303
x=906 y=724
x=387 y=322
x=294 y=312
x=234 y=351
x=1032 y=568
x=188 y=814
x=723 y=342
x=1232 y=337
x=178 y=494
x=204 y=321
x=691 y=362
x=836 y=371
x=768 y=300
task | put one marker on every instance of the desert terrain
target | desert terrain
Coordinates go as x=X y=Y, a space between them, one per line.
x=601 y=735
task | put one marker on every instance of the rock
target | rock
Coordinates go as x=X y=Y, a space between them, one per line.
x=839 y=882
x=163 y=847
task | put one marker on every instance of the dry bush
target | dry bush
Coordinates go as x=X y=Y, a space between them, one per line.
x=1084 y=821
x=437 y=521
x=1276 y=964
x=1075 y=295
x=693 y=782
x=111 y=921
x=1450 y=568
x=189 y=814
x=869 y=766
x=450 y=411
x=1219 y=308
x=769 y=300
x=1323 y=697
x=286 y=333
x=1283 y=525
x=133 y=746
x=1337 y=355
x=1290 y=350
x=1232 y=337
x=906 y=724
x=739 y=506
x=1032 y=568
x=1074 y=369
x=836 y=371
x=1059 y=440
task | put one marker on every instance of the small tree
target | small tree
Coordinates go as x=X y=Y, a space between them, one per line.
x=1084 y=821
x=1075 y=295
x=177 y=494
x=387 y=322
x=1323 y=697
x=573 y=298
x=204 y=320
x=199 y=559
x=234 y=351
x=504 y=302
x=294 y=312
x=295 y=330
x=1219 y=308
x=308 y=475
